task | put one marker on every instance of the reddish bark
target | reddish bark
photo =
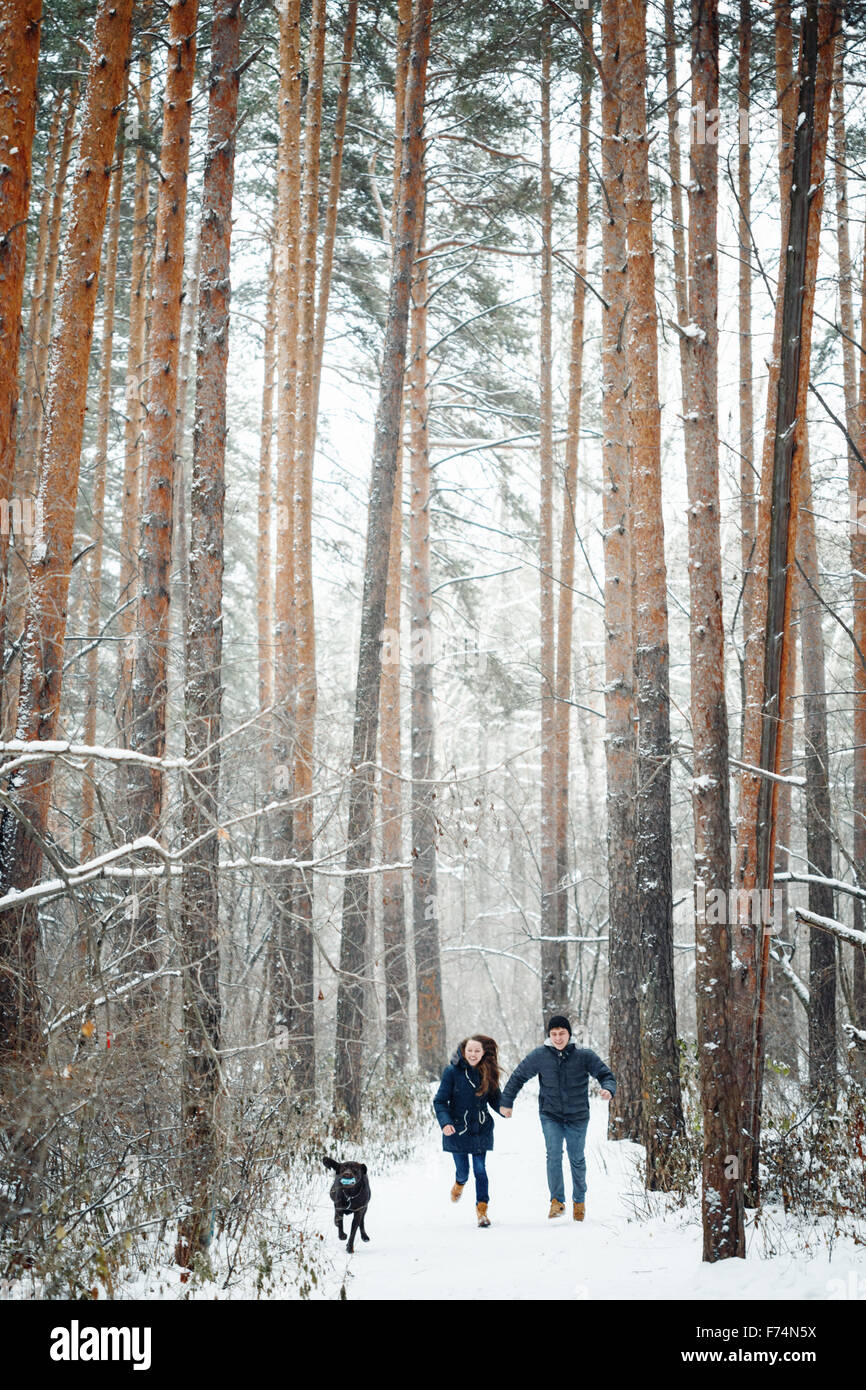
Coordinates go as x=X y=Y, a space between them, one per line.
x=19 y=56
x=663 y=1117
x=23 y=823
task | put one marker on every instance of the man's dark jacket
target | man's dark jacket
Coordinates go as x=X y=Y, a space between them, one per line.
x=563 y=1080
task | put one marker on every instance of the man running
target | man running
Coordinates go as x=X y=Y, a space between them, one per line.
x=563 y=1070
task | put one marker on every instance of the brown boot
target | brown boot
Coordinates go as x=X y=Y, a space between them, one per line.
x=579 y=1211
x=481 y=1208
x=556 y=1208
x=457 y=1191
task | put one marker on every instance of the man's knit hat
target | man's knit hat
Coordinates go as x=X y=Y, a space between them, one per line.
x=559 y=1021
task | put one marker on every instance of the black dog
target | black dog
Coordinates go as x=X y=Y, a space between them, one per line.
x=350 y=1193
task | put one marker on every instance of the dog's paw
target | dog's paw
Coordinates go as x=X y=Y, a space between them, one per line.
x=341 y=1235
x=364 y=1236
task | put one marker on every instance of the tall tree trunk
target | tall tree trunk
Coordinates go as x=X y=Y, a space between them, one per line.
x=350 y=997
x=858 y=567
x=19 y=57
x=150 y=664
x=329 y=238
x=565 y=615
x=779 y=506
x=722 y=1188
x=88 y=790
x=31 y=439
x=746 y=944
x=819 y=835
x=305 y=629
x=24 y=820
x=133 y=430
x=395 y=963
x=180 y=530
x=425 y=891
x=744 y=237
x=199 y=925
x=264 y=576
x=624 y=970
x=282 y=1006
x=42 y=344
x=781 y=1019
x=857 y=487
x=663 y=1116
x=29 y=400
x=554 y=954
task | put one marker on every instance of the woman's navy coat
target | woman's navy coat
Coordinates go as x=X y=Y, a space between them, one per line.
x=457 y=1104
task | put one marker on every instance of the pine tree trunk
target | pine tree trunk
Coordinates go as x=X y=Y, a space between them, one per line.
x=746 y=947
x=31 y=440
x=133 y=430
x=565 y=615
x=150 y=664
x=350 y=997
x=819 y=836
x=180 y=530
x=663 y=1117
x=425 y=891
x=42 y=664
x=19 y=57
x=264 y=576
x=305 y=630
x=95 y=568
x=42 y=344
x=722 y=1189
x=858 y=566
x=396 y=969
x=29 y=400
x=330 y=233
x=554 y=955
x=281 y=967
x=857 y=487
x=744 y=235
x=781 y=1021
x=199 y=925
x=625 y=1121
x=780 y=490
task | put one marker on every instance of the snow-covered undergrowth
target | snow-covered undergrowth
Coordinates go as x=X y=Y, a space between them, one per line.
x=106 y=1221
x=274 y=1234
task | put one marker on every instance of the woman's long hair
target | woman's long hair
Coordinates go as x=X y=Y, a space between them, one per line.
x=488 y=1068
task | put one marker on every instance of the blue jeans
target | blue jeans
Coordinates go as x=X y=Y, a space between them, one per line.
x=461 y=1163
x=573 y=1135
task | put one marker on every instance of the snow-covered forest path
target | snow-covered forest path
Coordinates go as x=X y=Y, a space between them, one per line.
x=423 y=1246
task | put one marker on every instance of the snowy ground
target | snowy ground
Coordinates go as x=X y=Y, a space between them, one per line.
x=423 y=1246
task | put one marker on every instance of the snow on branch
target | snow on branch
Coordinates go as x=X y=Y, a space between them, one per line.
x=108 y=998
x=106 y=866
x=836 y=884
x=800 y=989
x=838 y=929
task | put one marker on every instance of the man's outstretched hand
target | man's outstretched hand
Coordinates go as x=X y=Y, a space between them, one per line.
x=506 y=1114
